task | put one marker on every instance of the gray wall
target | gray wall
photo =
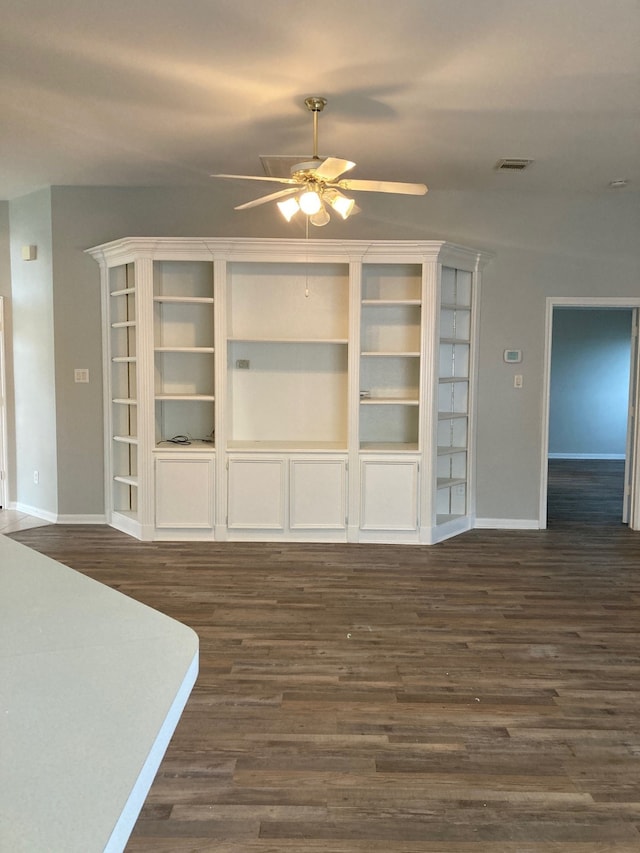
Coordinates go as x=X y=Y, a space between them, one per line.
x=589 y=392
x=544 y=246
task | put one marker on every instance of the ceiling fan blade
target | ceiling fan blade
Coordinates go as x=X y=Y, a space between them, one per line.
x=257 y=178
x=332 y=167
x=265 y=198
x=382 y=187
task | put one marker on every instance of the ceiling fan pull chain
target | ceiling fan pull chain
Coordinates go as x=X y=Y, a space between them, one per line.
x=306 y=266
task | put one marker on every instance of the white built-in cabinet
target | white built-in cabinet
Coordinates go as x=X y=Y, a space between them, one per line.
x=317 y=390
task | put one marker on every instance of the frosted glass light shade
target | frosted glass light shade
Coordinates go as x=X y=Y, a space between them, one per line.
x=340 y=203
x=343 y=205
x=310 y=202
x=321 y=217
x=289 y=208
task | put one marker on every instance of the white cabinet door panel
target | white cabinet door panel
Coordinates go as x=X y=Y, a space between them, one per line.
x=318 y=493
x=389 y=495
x=256 y=493
x=184 y=492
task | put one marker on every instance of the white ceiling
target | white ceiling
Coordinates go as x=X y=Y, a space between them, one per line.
x=148 y=92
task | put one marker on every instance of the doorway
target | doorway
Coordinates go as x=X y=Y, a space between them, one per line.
x=589 y=459
x=3 y=414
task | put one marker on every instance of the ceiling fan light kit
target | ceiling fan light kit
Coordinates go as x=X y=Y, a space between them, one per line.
x=289 y=208
x=310 y=201
x=315 y=184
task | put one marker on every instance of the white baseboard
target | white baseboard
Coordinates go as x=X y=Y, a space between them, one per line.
x=507 y=524
x=55 y=518
x=82 y=519
x=36 y=512
x=586 y=456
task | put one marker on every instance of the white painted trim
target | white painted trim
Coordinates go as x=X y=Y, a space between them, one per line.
x=586 y=456
x=135 y=801
x=36 y=512
x=507 y=524
x=55 y=518
x=4 y=452
x=82 y=519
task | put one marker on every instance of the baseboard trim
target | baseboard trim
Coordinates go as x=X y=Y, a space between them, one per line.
x=507 y=524
x=55 y=518
x=36 y=512
x=82 y=519
x=586 y=456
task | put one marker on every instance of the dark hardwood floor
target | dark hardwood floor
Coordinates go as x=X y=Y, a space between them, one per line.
x=585 y=492
x=478 y=696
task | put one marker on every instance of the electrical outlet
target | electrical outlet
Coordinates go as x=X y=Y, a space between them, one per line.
x=243 y=364
x=36 y=477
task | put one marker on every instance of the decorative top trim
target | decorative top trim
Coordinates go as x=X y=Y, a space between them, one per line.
x=250 y=249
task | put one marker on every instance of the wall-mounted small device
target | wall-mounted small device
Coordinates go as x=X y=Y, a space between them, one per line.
x=512 y=356
x=29 y=253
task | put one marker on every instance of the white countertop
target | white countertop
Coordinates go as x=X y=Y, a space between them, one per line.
x=92 y=685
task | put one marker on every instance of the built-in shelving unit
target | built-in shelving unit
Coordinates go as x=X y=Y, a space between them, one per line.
x=390 y=356
x=184 y=352
x=123 y=384
x=454 y=395
x=316 y=390
x=287 y=362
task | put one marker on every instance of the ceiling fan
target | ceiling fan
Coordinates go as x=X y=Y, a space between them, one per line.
x=313 y=184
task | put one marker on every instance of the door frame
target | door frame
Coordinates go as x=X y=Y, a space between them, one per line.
x=4 y=456
x=633 y=440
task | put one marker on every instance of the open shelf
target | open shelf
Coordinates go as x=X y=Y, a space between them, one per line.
x=386 y=303
x=288 y=340
x=448 y=451
x=183 y=281
x=389 y=401
x=289 y=446
x=185 y=300
x=268 y=301
x=179 y=415
x=128 y=479
x=390 y=357
x=203 y=350
x=389 y=447
x=391 y=282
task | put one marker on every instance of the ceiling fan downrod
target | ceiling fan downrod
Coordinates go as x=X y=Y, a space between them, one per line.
x=315 y=105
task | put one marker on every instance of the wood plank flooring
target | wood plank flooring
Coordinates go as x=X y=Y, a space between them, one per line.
x=588 y=491
x=478 y=696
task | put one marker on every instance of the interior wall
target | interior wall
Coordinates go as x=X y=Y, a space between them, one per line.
x=33 y=355
x=544 y=246
x=589 y=388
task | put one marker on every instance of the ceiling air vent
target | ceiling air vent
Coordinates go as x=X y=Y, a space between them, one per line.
x=512 y=165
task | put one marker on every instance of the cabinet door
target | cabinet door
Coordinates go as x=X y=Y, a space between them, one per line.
x=389 y=494
x=318 y=493
x=184 y=492
x=256 y=493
